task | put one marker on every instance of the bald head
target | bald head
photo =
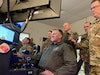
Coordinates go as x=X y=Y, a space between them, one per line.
x=66 y=27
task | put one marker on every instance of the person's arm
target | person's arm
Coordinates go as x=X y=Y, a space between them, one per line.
x=83 y=45
x=70 y=62
x=30 y=49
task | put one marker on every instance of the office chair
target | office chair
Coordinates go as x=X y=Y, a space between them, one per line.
x=36 y=49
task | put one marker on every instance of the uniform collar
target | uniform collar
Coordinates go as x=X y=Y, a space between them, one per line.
x=57 y=43
x=96 y=21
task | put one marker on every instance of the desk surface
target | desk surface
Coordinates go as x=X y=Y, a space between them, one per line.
x=31 y=71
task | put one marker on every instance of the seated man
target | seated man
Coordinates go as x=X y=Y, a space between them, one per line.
x=57 y=58
x=25 y=46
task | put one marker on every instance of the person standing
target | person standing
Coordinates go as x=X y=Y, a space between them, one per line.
x=67 y=32
x=70 y=37
x=48 y=40
x=94 y=39
x=83 y=45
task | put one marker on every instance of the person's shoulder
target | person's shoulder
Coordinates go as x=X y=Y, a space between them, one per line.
x=73 y=32
x=65 y=44
x=29 y=46
x=84 y=35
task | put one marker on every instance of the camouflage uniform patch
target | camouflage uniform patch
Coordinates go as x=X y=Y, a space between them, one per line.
x=94 y=43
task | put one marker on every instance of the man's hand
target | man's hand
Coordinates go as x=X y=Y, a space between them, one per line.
x=4 y=48
x=46 y=72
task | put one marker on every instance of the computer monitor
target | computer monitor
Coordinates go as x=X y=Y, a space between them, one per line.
x=19 y=24
x=8 y=35
x=15 y=26
x=32 y=9
x=23 y=35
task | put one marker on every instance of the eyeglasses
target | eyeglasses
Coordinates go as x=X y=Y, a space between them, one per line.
x=95 y=7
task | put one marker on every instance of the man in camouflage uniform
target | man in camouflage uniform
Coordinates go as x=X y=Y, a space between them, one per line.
x=68 y=32
x=83 y=45
x=94 y=39
x=25 y=46
x=48 y=40
x=70 y=37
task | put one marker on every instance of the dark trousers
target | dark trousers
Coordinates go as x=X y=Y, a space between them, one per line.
x=79 y=64
x=86 y=67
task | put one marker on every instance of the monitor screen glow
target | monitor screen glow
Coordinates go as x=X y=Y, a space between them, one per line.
x=23 y=35
x=18 y=24
x=6 y=34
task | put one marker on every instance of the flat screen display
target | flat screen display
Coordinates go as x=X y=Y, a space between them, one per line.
x=15 y=26
x=23 y=35
x=8 y=35
x=18 y=24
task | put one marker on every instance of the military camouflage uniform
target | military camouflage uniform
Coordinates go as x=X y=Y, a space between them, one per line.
x=73 y=35
x=29 y=48
x=66 y=35
x=46 y=43
x=94 y=47
x=84 y=47
x=84 y=52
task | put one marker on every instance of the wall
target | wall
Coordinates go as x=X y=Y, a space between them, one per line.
x=78 y=26
x=38 y=30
